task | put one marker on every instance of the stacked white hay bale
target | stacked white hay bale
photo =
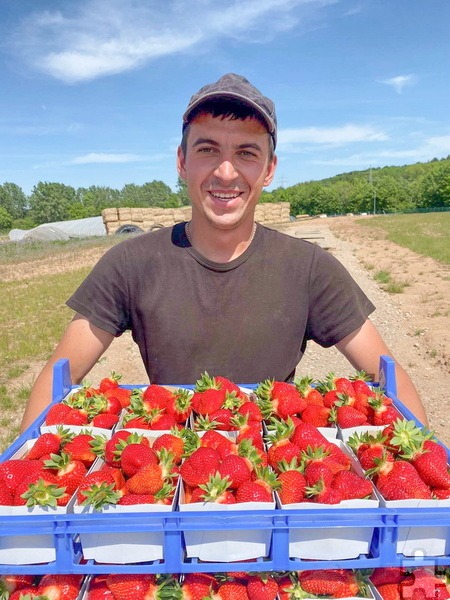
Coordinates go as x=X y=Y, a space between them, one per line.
x=149 y=218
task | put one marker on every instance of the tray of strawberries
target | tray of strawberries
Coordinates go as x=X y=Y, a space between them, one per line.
x=220 y=477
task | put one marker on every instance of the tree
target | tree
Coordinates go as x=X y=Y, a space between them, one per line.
x=5 y=219
x=182 y=193
x=51 y=202
x=436 y=187
x=13 y=200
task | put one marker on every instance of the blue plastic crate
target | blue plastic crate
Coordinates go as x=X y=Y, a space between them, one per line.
x=64 y=530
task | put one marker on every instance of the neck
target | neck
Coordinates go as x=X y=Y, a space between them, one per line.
x=220 y=245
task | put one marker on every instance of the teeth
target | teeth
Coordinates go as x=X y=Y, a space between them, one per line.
x=224 y=196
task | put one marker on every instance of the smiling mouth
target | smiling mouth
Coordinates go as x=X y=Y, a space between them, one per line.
x=225 y=197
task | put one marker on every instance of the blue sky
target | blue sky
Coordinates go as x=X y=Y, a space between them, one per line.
x=92 y=91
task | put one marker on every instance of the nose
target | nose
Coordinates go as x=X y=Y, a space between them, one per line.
x=225 y=171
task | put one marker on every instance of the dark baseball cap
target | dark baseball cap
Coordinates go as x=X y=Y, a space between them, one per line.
x=238 y=88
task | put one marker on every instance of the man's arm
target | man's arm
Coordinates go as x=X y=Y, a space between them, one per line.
x=363 y=349
x=83 y=344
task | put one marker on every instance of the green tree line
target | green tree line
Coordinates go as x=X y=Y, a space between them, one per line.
x=387 y=189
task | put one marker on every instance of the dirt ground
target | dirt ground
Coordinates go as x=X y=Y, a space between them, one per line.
x=414 y=324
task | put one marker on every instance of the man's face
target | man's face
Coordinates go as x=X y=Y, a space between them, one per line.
x=226 y=166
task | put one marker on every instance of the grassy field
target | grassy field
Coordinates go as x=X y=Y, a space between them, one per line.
x=426 y=234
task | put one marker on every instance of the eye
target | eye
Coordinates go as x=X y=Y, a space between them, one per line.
x=205 y=150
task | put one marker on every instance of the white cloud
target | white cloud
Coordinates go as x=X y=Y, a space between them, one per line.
x=104 y=157
x=104 y=37
x=400 y=81
x=432 y=147
x=331 y=136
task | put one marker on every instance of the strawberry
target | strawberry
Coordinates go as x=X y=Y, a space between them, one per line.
x=236 y=469
x=197 y=468
x=11 y=583
x=252 y=411
x=207 y=401
x=85 y=447
x=427 y=455
x=335 y=583
x=348 y=416
x=45 y=444
x=258 y=490
x=126 y=586
x=179 y=405
x=111 y=382
x=292 y=483
x=311 y=394
x=216 y=489
x=384 y=412
x=98 y=590
x=213 y=439
x=400 y=480
x=280 y=399
x=351 y=485
x=231 y=590
x=383 y=575
x=60 y=587
x=13 y=471
x=222 y=418
x=390 y=591
x=316 y=471
x=281 y=447
x=262 y=587
x=136 y=456
x=105 y=420
x=306 y=435
x=68 y=472
x=156 y=396
x=151 y=477
x=171 y=442
x=317 y=415
x=57 y=414
x=40 y=490
x=359 y=383
x=6 y=499
x=98 y=489
x=193 y=587
x=123 y=395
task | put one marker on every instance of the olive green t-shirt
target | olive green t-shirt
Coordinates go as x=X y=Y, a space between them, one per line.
x=248 y=319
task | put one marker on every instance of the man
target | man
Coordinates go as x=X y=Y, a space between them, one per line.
x=221 y=293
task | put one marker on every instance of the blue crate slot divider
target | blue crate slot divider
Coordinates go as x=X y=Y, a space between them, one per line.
x=66 y=528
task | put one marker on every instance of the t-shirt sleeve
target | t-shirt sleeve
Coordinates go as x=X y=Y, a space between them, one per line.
x=337 y=305
x=103 y=296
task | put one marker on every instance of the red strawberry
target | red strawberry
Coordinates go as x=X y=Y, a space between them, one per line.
x=390 y=591
x=40 y=490
x=132 y=587
x=197 y=468
x=231 y=590
x=151 y=477
x=179 y=405
x=45 y=444
x=60 y=587
x=123 y=395
x=383 y=411
x=311 y=394
x=98 y=489
x=280 y=398
x=424 y=586
x=351 y=485
x=111 y=382
x=400 y=480
x=105 y=420
x=13 y=471
x=292 y=483
x=68 y=472
x=348 y=416
x=262 y=587
x=136 y=456
x=317 y=415
x=84 y=447
x=258 y=490
x=172 y=443
x=156 y=396
x=236 y=469
x=336 y=583
x=11 y=583
x=383 y=575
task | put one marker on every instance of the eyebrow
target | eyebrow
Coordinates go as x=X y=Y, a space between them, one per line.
x=212 y=142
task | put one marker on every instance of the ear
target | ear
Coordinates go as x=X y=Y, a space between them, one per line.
x=181 y=164
x=271 y=168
